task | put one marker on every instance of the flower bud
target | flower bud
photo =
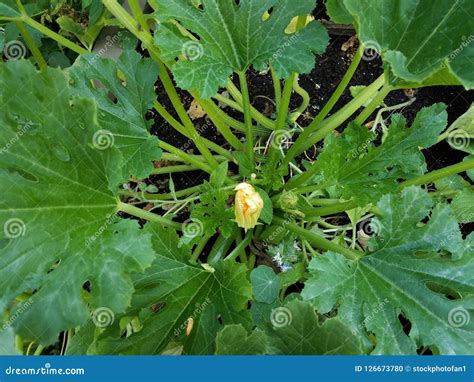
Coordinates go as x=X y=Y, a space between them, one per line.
x=288 y=200
x=248 y=206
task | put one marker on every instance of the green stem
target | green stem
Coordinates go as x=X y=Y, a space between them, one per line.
x=168 y=196
x=237 y=125
x=277 y=88
x=303 y=178
x=325 y=202
x=177 y=104
x=32 y=46
x=210 y=108
x=142 y=214
x=49 y=33
x=330 y=210
x=138 y=14
x=304 y=104
x=221 y=247
x=314 y=187
x=19 y=343
x=257 y=116
x=28 y=349
x=317 y=240
x=439 y=174
x=173 y=169
x=39 y=350
x=228 y=102
x=295 y=149
x=285 y=102
x=198 y=250
x=247 y=116
x=241 y=246
x=174 y=158
x=182 y=130
x=374 y=104
x=251 y=262
x=273 y=154
x=129 y=23
x=337 y=119
x=185 y=157
x=242 y=254
x=161 y=197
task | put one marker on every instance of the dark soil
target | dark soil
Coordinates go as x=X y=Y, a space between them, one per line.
x=320 y=84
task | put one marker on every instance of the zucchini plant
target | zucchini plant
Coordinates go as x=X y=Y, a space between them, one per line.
x=357 y=249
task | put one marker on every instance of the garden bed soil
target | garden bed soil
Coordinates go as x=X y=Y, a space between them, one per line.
x=320 y=84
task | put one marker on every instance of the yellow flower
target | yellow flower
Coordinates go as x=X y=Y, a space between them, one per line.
x=248 y=206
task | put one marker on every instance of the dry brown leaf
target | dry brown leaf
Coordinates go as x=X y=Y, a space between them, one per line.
x=195 y=111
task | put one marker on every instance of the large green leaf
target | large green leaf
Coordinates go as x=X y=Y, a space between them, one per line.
x=7 y=341
x=130 y=81
x=181 y=291
x=232 y=37
x=365 y=171
x=421 y=41
x=234 y=340
x=8 y=8
x=295 y=330
x=405 y=275
x=338 y=12
x=292 y=329
x=463 y=206
x=58 y=205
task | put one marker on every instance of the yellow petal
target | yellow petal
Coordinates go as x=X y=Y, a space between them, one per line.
x=248 y=206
